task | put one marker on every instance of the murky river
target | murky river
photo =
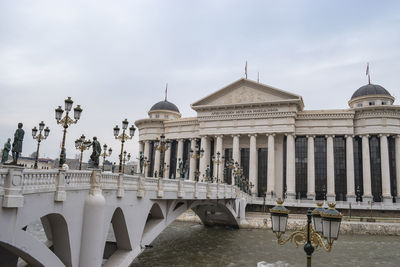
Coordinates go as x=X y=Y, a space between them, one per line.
x=191 y=244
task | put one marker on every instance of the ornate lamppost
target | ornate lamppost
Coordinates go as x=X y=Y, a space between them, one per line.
x=217 y=160
x=104 y=155
x=326 y=225
x=39 y=138
x=162 y=145
x=65 y=123
x=82 y=144
x=125 y=157
x=123 y=137
x=146 y=163
x=197 y=153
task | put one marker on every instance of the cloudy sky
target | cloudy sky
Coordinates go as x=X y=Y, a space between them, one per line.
x=115 y=57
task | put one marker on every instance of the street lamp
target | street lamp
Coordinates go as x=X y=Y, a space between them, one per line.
x=123 y=160
x=328 y=224
x=123 y=137
x=104 y=155
x=39 y=138
x=197 y=153
x=82 y=144
x=146 y=163
x=162 y=145
x=66 y=122
x=217 y=160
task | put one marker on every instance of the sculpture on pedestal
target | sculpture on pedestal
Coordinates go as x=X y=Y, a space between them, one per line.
x=208 y=174
x=96 y=152
x=141 y=160
x=17 y=143
x=6 y=151
x=180 y=164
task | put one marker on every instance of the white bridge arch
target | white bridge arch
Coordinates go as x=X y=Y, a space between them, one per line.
x=76 y=209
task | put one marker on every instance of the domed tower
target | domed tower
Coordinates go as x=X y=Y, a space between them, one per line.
x=370 y=95
x=164 y=110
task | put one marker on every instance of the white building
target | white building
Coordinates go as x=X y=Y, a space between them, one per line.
x=341 y=154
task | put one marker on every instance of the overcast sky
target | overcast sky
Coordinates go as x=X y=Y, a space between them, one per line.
x=115 y=57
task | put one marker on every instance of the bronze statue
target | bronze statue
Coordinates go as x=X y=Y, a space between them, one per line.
x=141 y=158
x=180 y=164
x=96 y=152
x=6 y=150
x=17 y=143
x=113 y=167
x=208 y=173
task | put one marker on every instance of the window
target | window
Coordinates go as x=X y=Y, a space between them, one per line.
x=301 y=167
x=376 y=175
x=339 y=146
x=358 y=168
x=392 y=165
x=372 y=103
x=166 y=116
x=384 y=103
x=262 y=170
x=359 y=105
x=157 y=115
x=320 y=167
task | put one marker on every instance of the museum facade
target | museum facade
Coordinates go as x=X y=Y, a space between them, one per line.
x=284 y=151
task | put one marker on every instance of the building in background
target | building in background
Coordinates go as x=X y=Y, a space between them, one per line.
x=285 y=151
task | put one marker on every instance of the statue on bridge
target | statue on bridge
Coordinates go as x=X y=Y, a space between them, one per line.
x=96 y=152
x=6 y=151
x=141 y=160
x=180 y=164
x=186 y=169
x=17 y=143
x=208 y=173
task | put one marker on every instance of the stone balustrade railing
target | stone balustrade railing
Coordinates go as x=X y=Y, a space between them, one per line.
x=15 y=182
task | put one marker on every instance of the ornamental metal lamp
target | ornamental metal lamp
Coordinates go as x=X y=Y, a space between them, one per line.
x=162 y=145
x=325 y=220
x=217 y=160
x=39 y=138
x=123 y=137
x=317 y=219
x=331 y=220
x=104 y=154
x=66 y=122
x=82 y=144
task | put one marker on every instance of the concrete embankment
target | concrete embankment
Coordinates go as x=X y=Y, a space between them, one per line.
x=258 y=220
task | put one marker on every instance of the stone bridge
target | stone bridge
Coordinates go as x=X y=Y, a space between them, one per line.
x=79 y=209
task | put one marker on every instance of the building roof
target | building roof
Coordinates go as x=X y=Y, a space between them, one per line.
x=370 y=89
x=165 y=105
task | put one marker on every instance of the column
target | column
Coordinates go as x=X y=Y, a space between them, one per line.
x=290 y=167
x=192 y=160
x=179 y=157
x=310 y=168
x=253 y=171
x=271 y=166
x=205 y=160
x=146 y=155
x=219 y=169
x=351 y=196
x=387 y=197
x=330 y=169
x=156 y=170
x=397 y=149
x=167 y=161
x=366 y=169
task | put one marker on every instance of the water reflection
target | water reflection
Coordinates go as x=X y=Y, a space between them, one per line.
x=190 y=244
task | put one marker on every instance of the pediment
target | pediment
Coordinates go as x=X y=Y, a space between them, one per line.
x=245 y=91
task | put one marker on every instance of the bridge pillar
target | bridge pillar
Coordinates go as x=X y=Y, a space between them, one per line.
x=60 y=194
x=92 y=243
x=13 y=197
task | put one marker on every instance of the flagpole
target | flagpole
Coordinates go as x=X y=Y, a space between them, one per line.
x=245 y=69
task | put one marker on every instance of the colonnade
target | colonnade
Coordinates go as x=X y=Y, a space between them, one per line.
x=204 y=161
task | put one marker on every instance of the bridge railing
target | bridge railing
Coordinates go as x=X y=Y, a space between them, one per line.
x=17 y=181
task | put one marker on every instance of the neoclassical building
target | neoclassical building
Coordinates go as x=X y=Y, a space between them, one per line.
x=287 y=151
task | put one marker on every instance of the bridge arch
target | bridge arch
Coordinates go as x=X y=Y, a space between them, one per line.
x=155 y=217
x=122 y=239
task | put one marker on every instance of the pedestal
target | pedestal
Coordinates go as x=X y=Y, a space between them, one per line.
x=13 y=197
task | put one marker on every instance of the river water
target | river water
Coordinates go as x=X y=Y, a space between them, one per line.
x=191 y=244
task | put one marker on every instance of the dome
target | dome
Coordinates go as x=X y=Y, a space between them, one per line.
x=370 y=89
x=165 y=105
